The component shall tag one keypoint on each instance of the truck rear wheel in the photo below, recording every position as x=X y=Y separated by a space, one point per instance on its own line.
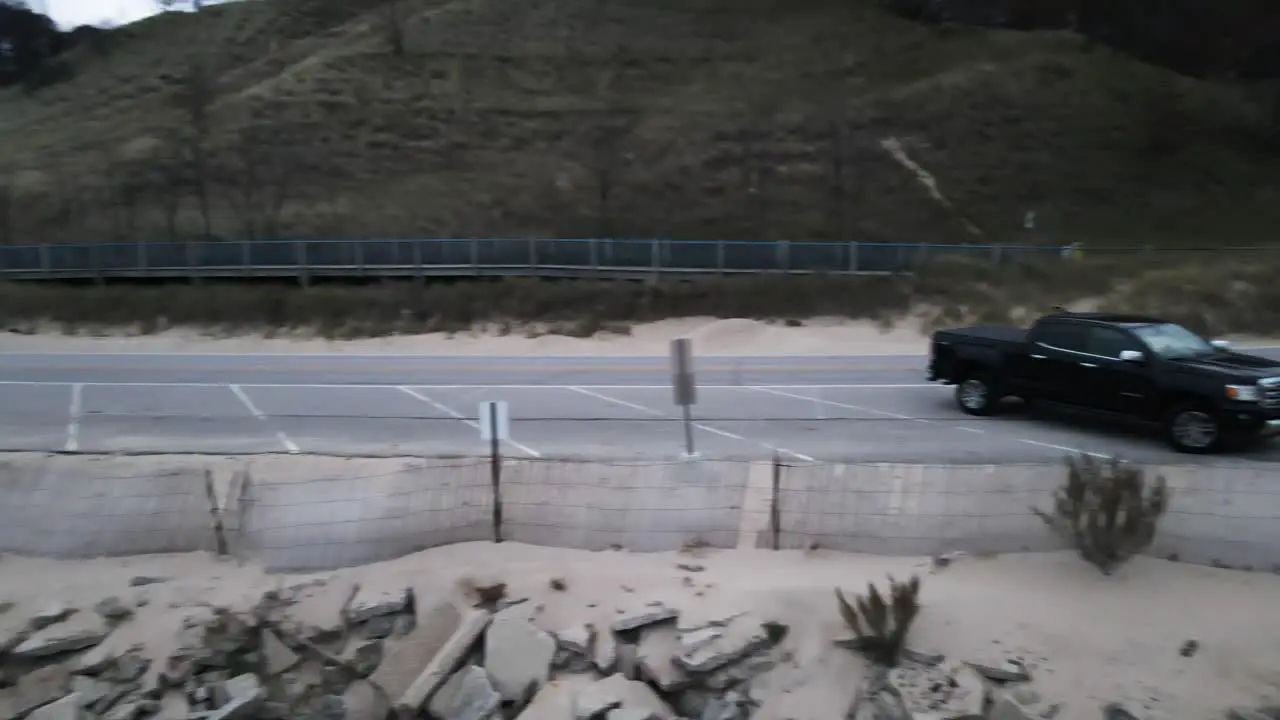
x=977 y=395
x=1194 y=428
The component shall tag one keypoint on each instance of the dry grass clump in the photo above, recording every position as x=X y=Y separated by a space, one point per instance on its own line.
x=880 y=628
x=1106 y=510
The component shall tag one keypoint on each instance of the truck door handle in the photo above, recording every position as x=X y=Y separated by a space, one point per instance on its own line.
x=1092 y=365
x=1037 y=357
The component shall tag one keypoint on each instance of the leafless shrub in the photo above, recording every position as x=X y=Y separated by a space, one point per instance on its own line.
x=1106 y=510
x=880 y=629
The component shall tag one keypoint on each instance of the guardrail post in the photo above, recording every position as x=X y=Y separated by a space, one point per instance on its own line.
x=783 y=255
x=656 y=252
x=190 y=253
x=995 y=255
x=594 y=252
x=95 y=262
x=142 y=258
x=853 y=257
x=417 y=260
x=46 y=262
x=720 y=257
x=533 y=253
x=475 y=256
x=357 y=251
x=245 y=258
x=300 y=257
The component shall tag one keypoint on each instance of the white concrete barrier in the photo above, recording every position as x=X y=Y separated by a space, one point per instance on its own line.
x=307 y=512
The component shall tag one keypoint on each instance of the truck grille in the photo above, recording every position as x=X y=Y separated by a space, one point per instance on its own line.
x=1270 y=392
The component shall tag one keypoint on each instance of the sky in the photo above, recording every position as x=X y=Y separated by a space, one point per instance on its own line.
x=70 y=13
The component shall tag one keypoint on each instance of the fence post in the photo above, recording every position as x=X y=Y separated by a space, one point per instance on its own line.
x=300 y=257
x=475 y=256
x=46 y=264
x=853 y=257
x=142 y=258
x=720 y=257
x=495 y=475
x=656 y=251
x=775 y=510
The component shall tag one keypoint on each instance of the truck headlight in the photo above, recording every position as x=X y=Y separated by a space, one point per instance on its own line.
x=1243 y=393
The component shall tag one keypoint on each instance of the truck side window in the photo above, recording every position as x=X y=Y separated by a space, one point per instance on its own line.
x=1108 y=342
x=1061 y=335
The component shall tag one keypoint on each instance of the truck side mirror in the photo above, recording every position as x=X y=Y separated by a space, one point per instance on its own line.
x=1132 y=356
x=1220 y=344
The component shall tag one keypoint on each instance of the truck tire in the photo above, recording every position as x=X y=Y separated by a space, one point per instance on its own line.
x=1194 y=428
x=977 y=395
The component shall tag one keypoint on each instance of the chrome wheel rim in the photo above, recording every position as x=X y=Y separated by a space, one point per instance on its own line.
x=1195 y=429
x=973 y=394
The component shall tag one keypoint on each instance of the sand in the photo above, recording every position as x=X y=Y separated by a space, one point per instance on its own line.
x=735 y=336
x=1089 y=639
x=711 y=336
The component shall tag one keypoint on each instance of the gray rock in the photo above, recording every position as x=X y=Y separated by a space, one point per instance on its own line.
x=517 y=654
x=723 y=709
x=632 y=714
x=642 y=618
x=1245 y=713
x=276 y=656
x=467 y=695
x=593 y=702
x=90 y=690
x=635 y=696
x=128 y=667
x=68 y=708
x=373 y=602
x=576 y=639
x=604 y=653
x=140 y=580
x=113 y=609
x=364 y=701
x=62 y=638
x=53 y=613
x=654 y=658
x=382 y=626
x=34 y=689
x=245 y=695
x=1006 y=707
x=103 y=657
x=327 y=707
x=742 y=637
x=1009 y=672
x=364 y=657
x=404 y=658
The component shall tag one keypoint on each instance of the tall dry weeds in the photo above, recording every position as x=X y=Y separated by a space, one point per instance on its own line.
x=1106 y=511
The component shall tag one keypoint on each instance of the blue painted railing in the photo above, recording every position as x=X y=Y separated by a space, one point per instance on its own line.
x=481 y=257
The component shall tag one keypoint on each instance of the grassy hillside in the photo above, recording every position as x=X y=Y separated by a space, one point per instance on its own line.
x=680 y=118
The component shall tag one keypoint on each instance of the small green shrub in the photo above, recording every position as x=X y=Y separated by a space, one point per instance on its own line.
x=1106 y=511
x=880 y=629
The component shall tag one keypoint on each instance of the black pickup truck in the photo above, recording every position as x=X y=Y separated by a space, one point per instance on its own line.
x=1204 y=397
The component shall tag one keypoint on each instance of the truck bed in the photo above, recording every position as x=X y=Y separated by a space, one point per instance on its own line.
x=984 y=334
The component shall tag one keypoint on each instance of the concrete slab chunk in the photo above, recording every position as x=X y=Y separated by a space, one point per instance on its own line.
x=443 y=664
x=467 y=695
x=517 y=655
x=403 y=659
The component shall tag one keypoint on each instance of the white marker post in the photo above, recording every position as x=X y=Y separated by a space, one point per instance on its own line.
x=495 y=426
x=684 y=386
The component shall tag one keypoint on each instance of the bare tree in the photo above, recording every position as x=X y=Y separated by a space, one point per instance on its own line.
x=169 y=177
x=6 y=209
x=393 y=21
x=260 y=176
x=194 y=99
x=125 y=187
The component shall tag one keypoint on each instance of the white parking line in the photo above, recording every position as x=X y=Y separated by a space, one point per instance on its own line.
x=384 y=386
x=73 y=418
x=707 y=428
x=463 y=418
x=288 y=443
x=897 y=416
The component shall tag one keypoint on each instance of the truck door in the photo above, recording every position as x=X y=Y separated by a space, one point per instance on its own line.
x=1111 y=383
x=1051 y=364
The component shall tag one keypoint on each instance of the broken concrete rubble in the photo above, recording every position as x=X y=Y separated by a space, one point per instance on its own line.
x=517 y=655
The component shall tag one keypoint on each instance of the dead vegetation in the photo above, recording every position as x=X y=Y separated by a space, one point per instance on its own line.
x=1208 y=295
x=880 y=628
x=638 y=118
x=1107 y=510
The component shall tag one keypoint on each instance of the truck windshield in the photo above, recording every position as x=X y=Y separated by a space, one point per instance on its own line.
x=1173 y=341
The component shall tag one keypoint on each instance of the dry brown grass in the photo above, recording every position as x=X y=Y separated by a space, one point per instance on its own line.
x=1210 y=296
x=485 y=126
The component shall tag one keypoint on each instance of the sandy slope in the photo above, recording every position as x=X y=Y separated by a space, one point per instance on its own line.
x=821 y=336
x=1089 y=639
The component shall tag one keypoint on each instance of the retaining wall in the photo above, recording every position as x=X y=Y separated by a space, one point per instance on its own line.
x=308 y=512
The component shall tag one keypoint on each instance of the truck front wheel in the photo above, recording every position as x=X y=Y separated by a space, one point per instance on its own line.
x=976 y=395
x=1194 y=428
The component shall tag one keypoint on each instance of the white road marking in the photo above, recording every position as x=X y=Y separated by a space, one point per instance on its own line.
x=833 y=403
x=419 y=356
x=713 y=430
x=384 y=386
x=463 y=418
x=1063 y=448
x=288 y=443
x=73 y=418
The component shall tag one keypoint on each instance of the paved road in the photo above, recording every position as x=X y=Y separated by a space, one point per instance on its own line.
x=868 y=409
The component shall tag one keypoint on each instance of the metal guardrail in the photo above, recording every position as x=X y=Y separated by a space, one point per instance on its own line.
x=477 y=257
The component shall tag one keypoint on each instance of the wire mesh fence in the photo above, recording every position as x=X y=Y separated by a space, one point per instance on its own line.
x=344 y=512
